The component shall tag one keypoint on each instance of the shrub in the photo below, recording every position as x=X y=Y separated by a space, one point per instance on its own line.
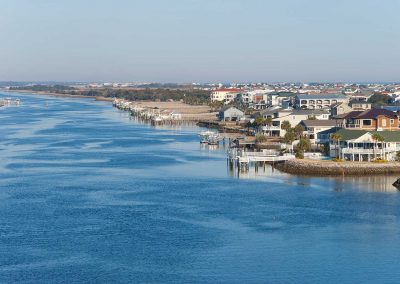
x=300 y=155
x=261 y=138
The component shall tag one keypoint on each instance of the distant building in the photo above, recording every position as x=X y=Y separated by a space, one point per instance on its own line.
x=321 y=101
x=225 y=95
x=293 y=116
x=230 y=113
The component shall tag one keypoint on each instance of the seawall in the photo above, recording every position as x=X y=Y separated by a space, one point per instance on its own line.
x=330 y=168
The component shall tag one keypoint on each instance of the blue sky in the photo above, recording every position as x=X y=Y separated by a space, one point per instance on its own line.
x=200 y=40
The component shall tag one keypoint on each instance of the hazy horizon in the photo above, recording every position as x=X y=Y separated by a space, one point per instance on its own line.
x=200 y=41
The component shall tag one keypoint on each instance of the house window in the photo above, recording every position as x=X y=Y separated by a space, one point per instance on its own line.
x=391 y=121
x=367 y=122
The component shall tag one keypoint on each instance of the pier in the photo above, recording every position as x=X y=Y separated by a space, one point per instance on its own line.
x=243 y=160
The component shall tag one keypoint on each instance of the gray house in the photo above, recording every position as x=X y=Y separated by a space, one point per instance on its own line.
x=230 y=113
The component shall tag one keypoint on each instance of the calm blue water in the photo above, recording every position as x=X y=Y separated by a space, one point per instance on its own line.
x=88 y=195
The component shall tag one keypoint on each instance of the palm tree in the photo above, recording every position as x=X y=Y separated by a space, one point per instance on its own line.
x=260 y=121
x=298 y=131
x=336 y=137
x=377 y=138
x=268 y=122
x=289 y=138
x=286 y=125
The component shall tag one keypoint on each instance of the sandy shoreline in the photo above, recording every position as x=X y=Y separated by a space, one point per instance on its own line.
x=189 y=112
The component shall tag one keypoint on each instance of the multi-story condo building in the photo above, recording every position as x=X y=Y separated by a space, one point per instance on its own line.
x=321 y=101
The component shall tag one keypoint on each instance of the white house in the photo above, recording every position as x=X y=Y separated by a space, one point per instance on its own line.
x=359 y=145
x=313 y=127
x=294 y=116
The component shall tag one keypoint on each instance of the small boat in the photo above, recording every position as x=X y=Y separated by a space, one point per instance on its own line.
x=209 y=137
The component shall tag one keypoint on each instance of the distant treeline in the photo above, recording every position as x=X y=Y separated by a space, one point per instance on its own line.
x=190 y=96
x=62 y=89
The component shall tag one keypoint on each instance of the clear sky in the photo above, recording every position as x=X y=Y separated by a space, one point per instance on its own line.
x=200 y=40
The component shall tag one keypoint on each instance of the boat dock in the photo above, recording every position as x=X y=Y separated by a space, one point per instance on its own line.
x=243 y=160
x=154 y=116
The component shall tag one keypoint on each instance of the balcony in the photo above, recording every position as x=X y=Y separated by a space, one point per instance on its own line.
x=271 y=128
x=352 y=125
x=364 y=151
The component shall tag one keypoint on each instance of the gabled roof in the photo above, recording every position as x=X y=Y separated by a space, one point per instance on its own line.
x=322 y=97
x=319 y=123
x=310 y=112
x=348 y=115
x=228 y=107
x=375 y=112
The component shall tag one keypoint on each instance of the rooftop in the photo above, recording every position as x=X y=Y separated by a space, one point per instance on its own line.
x=322 y=96
x=375 y=112
x=319 y=123
x=389 y=136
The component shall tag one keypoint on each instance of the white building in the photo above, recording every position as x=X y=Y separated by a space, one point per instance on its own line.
x=322 y=101
x=225 y=95
x=359 y=145
x=293 y=116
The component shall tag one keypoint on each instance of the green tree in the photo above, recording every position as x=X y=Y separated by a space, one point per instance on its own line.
x=289 y=137
x=377 y=138
x=298 y=131
x=261 y=138
x=336 y=137
x=260 y=121
x=268 y=122
x=299 y=154
x=304 y=144
x=286 y=125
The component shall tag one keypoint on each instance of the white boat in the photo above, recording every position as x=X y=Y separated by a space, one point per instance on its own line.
x=209 y=137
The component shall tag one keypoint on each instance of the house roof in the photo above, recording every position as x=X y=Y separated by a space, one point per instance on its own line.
x=309 y=111
x=225 y=108
x=232 y=90
x=348 y=115
x=319 y=123
x=322 y=97
x=375 y=112
x=389 y=136
x=391 y=108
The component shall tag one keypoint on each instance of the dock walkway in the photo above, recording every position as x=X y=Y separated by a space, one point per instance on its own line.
x=243 y=159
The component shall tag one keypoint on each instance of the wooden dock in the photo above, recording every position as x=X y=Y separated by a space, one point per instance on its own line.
x=244 y=159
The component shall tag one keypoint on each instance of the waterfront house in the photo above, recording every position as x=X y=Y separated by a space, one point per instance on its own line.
x=359 y=145
x=321 y=101
x=230 y=113
x=314 y=126
x=373 y=119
